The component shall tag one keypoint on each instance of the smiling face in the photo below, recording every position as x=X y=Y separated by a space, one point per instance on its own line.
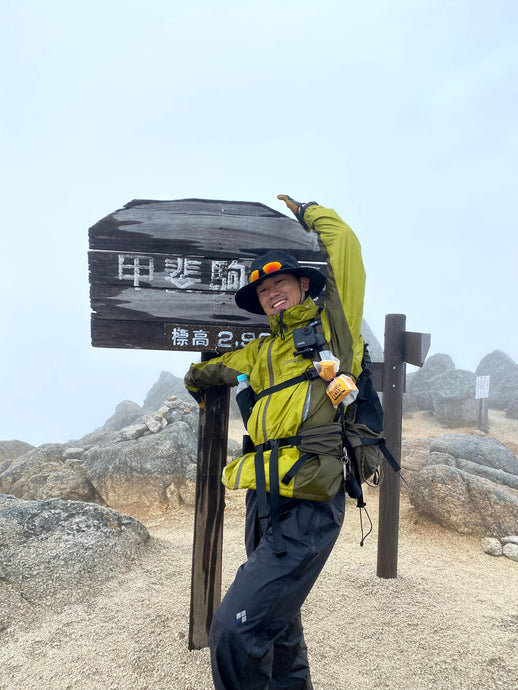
x=281 y=291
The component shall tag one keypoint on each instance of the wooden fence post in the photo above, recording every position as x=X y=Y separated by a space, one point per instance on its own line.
x=393 y=388
x=209 y=512
x=401 y=347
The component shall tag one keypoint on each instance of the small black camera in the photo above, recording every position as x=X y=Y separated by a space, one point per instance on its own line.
x=307 y=340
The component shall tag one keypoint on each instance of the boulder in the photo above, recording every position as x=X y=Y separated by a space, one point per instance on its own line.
x=477 y=449
x=135 y=476
x=511 y=551
x=497 y=476
x=491 y=546
x=453 y=398
x=59 y=549
x=127 y=412
x=132 y=470
x=433 y=366
x=418 y=395
x=503 y=382
x=134 y=431
x=464 y=502
x=13 y=449
x=44 y=473
x=511 y=409
x=414 y=456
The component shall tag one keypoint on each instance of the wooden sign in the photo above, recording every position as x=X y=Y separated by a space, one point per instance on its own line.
x=163 y=274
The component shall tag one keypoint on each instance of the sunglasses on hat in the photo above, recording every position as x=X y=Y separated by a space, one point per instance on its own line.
x=270 y=267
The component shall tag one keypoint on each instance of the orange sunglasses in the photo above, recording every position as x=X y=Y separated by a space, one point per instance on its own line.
x=270 y=267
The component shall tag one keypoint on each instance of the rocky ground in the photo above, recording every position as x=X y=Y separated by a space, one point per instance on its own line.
x=449 y=620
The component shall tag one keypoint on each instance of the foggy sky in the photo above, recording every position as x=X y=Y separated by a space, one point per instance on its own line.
x=401 y=116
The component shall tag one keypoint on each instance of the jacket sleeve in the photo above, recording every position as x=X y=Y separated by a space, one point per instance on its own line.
x=345 y=287
x=222 y=370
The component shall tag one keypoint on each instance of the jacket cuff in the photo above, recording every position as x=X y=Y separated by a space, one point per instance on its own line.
x=301 y=211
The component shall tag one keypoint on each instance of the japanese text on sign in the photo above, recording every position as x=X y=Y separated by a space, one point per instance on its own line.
x=182 y=337
x=183 y=272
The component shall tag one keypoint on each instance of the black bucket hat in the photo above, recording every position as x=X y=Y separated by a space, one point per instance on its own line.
x=272 y=263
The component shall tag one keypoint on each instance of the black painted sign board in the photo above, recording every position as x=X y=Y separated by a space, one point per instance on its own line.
x=163 y=274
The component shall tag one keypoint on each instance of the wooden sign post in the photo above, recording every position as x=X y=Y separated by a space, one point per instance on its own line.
x=401 y=347
x=209 y=513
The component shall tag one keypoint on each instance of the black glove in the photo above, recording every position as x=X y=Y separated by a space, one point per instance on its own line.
x=197 y=395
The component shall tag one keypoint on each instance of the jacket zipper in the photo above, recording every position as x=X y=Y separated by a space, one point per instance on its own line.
x=270 y=372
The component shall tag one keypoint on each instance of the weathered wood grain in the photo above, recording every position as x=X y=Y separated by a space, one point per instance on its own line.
x=202 y=227
x=157 y=335
x=416 y=347
x=208 y=517
x=160 y=305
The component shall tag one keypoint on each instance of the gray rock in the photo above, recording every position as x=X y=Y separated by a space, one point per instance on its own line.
x=127 y=412
x=511 y=409
x=59 y=548
x=491 y=546
x=503 y=382
x=180 y=495
x=72 y=453
x=511 y=551
x=418 y=386
x=97 y=438
x=67 y=483
x=375 y=349
x=497 y=476
x=13 y=449
x=186 y=412
x=513 y=539
x=125 y=469
x=43 y=473
x=464 y=502
x=453 y=398
x=478 y=449
x=167 y=385
x=153 y=423
x=414 y=456
x=134 y=475
x=134 y=431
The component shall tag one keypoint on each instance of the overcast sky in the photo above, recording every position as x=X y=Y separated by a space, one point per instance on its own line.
x=401 y=115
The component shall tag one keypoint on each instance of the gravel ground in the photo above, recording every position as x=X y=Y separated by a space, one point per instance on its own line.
x=449 y=620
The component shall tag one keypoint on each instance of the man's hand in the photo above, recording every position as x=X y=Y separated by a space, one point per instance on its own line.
x=297 y=208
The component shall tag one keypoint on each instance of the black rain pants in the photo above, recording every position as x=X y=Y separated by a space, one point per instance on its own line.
x=256 y=638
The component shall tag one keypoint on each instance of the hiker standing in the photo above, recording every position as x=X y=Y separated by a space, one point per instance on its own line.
x=294 y=474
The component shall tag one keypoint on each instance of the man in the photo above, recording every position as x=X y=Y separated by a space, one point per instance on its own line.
x=294 y=476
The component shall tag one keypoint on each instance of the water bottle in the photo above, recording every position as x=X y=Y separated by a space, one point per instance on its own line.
x=245 y=397
x=242 y=383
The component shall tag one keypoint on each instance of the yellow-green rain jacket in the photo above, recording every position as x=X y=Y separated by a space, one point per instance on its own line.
x=270 y=361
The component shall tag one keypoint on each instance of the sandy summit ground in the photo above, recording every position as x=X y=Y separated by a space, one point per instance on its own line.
x=449 y=620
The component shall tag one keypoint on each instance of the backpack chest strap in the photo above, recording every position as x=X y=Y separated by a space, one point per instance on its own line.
x=308 y=375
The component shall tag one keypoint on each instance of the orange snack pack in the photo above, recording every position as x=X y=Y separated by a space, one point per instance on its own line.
x=342 y=389
x=327 y=369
